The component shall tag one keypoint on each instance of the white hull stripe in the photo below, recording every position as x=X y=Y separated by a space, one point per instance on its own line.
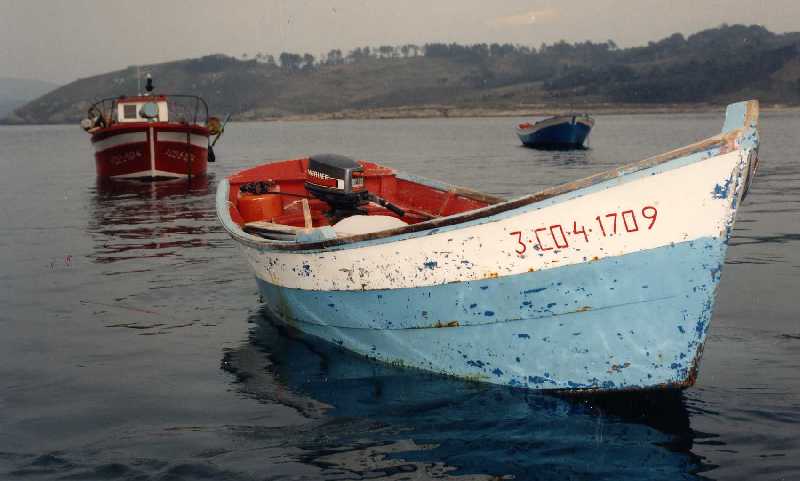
x=135 y=137
x=196 y=140
x=119 y=139
x=682 y=204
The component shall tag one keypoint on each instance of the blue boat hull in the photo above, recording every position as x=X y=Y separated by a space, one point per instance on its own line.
x=565 y=134
x=626 y=322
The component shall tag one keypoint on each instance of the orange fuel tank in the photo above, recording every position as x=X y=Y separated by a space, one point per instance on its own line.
x=255 y=207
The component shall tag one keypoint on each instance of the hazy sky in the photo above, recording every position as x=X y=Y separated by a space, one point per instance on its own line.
x=61 y=40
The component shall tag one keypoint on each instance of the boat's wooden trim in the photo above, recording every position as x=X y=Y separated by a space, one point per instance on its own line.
x=475 y=195
x=307 y=214
x=726 y=142
x=448 y=188
x=273 y=232
x=264 y=226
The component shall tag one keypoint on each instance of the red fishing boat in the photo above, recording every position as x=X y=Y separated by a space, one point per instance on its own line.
x=152 y=136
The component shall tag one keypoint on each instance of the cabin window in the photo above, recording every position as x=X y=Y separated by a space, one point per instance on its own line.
x=149 y=110
x=129 y=111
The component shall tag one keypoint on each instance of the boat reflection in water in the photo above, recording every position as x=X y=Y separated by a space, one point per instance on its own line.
x=424 y=421
x=134 y=219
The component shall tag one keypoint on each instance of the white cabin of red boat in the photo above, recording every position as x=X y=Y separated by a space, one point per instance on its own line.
x=152 y=108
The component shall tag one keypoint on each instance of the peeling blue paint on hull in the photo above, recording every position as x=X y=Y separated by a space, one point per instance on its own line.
x=630 y=322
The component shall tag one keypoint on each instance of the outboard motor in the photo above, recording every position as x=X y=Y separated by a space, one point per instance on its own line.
x=339 y=182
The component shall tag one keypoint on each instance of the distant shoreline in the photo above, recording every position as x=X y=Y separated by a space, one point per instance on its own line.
x=442 y=111
x=435 y=111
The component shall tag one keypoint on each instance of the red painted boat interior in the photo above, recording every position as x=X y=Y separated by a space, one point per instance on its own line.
x=282 y=204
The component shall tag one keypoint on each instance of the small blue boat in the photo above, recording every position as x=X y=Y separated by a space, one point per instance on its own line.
x=563 y=131
x=605 y=283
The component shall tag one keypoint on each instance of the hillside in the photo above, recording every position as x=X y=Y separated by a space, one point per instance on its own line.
x=15 y=92
x=710 y=67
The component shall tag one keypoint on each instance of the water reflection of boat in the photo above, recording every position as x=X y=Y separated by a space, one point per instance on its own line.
x=198 y=186
x=470 y=427
x=135 y=219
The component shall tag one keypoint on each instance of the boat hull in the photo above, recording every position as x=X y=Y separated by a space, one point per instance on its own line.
x=605 y=284
x=567 y=132
x=151 y=150
x=628 y=322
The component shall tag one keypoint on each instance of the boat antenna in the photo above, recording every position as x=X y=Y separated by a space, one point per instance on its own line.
x=138 y=81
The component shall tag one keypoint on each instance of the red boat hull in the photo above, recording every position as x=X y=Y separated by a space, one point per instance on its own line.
x=151 y=150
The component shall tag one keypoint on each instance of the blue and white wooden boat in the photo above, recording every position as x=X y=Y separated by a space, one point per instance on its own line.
x=605 y=283
x=563 y=131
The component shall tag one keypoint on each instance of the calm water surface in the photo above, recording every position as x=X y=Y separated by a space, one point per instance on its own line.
x=133 y=345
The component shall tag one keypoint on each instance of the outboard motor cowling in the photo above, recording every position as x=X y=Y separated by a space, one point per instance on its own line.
x=339 y=182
